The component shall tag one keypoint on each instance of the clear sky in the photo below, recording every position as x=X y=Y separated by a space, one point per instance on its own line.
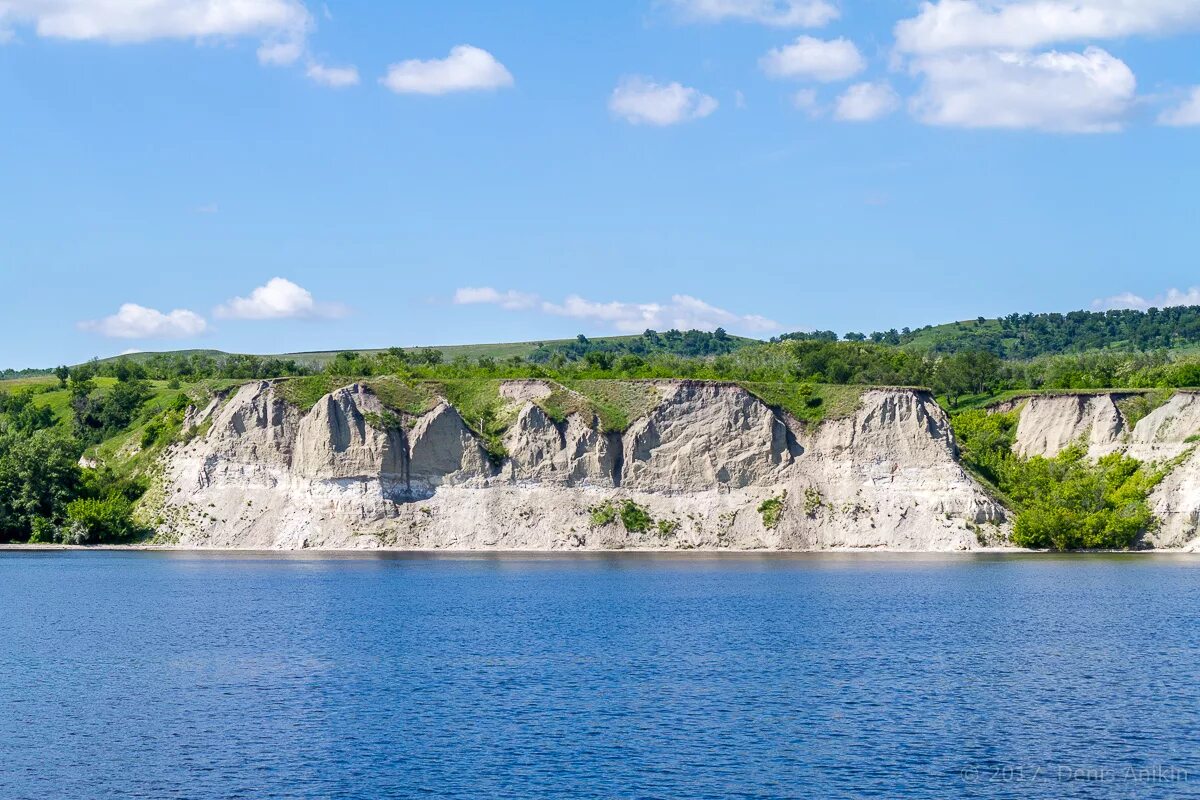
x=271 y=175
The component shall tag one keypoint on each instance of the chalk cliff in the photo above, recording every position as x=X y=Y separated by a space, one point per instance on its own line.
x=700 y=465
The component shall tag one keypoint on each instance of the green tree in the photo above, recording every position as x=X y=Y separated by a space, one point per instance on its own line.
x=39 y=476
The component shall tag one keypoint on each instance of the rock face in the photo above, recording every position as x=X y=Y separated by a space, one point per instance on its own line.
x=1049 y=424
x=710 y=465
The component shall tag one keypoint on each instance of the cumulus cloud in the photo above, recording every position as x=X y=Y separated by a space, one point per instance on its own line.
x=640 y=101
x=682 y=312
x=1129 y=300
x=1086 y=92
x=281 y=25
x=814 y=59
x=864 y=102
x=279 y=298
x=333 y=77
x=778 y=13
x=138 y=322
x=510 y=300
x=949 y=25
x=467 y=68
x=1185 y=114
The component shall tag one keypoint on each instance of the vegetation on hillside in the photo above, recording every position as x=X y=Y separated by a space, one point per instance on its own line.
x=45 y=495
x=1063 y=503
x=1028 y=336
x=127 y=410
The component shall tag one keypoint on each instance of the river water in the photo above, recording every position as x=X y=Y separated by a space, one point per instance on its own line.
x=167 y=675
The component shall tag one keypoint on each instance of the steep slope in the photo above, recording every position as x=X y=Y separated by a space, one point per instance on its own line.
x=710 y=466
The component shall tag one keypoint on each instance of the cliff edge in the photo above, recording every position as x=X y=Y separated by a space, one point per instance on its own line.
x=710 y=466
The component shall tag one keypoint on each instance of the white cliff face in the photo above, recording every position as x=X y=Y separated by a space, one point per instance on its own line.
x=701 y=464
x=572 y=453
x=1162 y=438
x=335 y=440
x=706 y=436
x=891 y=472
x=443 y=451
x=1049 y=424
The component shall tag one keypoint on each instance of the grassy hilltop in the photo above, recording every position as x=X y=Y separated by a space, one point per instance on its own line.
x=500 y=351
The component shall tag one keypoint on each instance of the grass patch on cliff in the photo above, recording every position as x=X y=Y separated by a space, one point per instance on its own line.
x=407 y=397
x=562 y=403
x=1063 y=503
x=1136 y=407
x=305 y=392
x=617 y=404
x=809 y=402
x=484 y=410
x=396 y=394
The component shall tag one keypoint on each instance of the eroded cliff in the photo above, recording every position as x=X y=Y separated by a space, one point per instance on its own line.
x=709 y=466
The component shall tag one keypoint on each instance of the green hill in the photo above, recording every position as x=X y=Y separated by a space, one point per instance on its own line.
x=318 y=359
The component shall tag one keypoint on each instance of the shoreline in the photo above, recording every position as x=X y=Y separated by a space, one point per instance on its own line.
x=581 y=552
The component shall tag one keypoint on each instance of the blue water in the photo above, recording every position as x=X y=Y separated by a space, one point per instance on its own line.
x=202 y=676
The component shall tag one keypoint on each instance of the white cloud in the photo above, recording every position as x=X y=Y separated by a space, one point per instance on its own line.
x=640 y=101
x=779 y=13
x=279 y=299
x=333 y=77
x=129 y=21
x=1084 y=92
x=282 y=26
x=467 y=68
x=682 y=312
x=281 y=53
x=814 y=59
x=1027 y=24
x=1173 y=297
x=864 y=102
x=1185 y=114
x=806 y=100
x=138 y=322
x=510 y=300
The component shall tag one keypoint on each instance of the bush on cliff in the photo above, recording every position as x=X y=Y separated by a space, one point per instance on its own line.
x=1063 y=503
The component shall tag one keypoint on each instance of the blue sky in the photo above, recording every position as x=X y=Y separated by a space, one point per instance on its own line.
x=286 y=176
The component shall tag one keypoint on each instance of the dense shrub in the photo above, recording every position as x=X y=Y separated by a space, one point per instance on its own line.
x=1069 y=503
x=92 y=521
x=1061 y=503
